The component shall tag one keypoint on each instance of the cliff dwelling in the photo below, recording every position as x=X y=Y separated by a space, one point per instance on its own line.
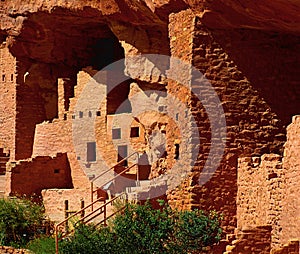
x=78 y=115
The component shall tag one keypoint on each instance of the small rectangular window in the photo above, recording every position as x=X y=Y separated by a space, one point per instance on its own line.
x=122 y=154
x=3 y=77
x=90 y=113
x=98 y=113
x=80 y=114
x=176 y=157
x=12 y=77
x=91 y=151
x=134 y=132
x=56 y=171
x=116 y=133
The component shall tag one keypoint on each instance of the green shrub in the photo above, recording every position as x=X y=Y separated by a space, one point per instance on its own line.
x=89 y=240
x=19 y=220
x=142 y=229
x=42 y=245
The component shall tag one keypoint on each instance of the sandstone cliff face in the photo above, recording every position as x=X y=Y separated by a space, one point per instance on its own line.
x=277 y=15
x=248 y=51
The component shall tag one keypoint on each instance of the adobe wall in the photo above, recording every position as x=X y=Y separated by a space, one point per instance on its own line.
x=8 y=74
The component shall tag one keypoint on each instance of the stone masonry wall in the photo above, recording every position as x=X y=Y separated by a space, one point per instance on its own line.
x=36 y=101
x=261 y=188
x=291 y=213
x=251 y=240
x=30 y=177
x=11 y=250
x=8 y=100
x=56 y=136
x=252 y=127
x=292 y=247
x=181 y=28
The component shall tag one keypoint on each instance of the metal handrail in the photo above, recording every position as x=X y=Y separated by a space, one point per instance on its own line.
x=108 y=217
x=122 y=172
x=119 y=162
x=92 y=181
x=57 y=237
x=104 y=211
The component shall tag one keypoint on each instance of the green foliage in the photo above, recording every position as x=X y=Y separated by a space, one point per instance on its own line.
x=89 y=240
x=194 y=229
x=43 y=245
x=19 y=220
x=142 y=229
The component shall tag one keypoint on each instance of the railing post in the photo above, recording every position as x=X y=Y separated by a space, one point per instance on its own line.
x=56 y=240
x=67 y=214
x=105 y=215
x=137 y=168
x=81 y=207
x=92 y=194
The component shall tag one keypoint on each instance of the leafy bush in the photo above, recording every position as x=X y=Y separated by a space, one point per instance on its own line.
x=19 y=220
x=142 y=229
x=42 y=245
x=89 y=240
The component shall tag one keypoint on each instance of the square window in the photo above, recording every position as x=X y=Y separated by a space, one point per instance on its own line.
x=56 y=171
x=98 y=113
x=116 y=133
x=161 y=108
x=134 y=132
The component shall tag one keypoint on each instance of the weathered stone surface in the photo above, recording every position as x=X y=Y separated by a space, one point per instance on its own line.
x=248 y=52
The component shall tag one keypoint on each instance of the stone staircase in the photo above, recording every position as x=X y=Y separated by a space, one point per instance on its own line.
x=146 y=189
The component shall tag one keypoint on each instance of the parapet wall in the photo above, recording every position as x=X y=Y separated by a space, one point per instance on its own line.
x=268 y=192
x=291 y=202
x=31 y=176
x=260 y=192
